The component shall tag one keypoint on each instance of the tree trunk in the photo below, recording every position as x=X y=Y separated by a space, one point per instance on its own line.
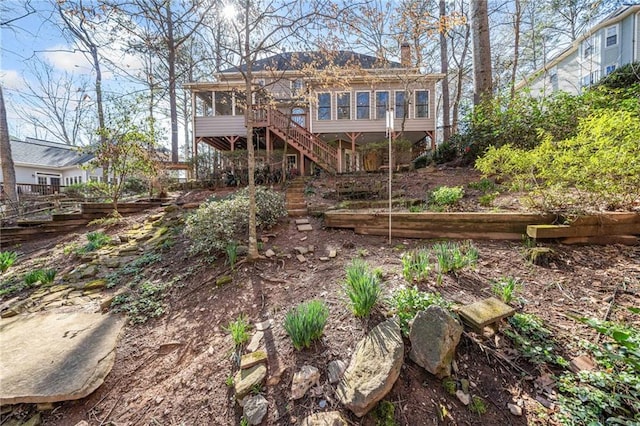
x=173 y=107
x=6 y=160
x=459 y=80
x=251 y=160
x=517 y=17
x=100 y=107
x=444 y=69
x=483 y=85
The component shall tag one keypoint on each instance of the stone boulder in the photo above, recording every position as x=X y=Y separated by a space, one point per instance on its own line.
x=56 y=357
x=434 y=336
x=255 y=408
x=247 y=378
x=374 y=368
x=303 y=380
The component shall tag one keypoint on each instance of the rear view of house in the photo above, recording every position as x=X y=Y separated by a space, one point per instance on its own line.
x=317 y=110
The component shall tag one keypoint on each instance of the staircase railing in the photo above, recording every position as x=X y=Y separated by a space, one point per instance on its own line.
x=309 y=144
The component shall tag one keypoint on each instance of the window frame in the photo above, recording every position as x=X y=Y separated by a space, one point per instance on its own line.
x=349 y=107
x=398 y=108
x=416 y=105
x=606 y=68
x=320 y=107
x=384 y=111
x=607 y=36
x=362 y=108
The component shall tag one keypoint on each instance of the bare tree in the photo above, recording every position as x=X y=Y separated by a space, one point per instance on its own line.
x=82 y=23
x=166 y=28
x=460 y=37
x=55 y=103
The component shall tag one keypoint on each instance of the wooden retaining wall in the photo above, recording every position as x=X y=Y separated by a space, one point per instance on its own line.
x=480 y=225
x=27 y=230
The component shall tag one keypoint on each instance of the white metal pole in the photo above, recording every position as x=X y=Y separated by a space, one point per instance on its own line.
x=390 y=133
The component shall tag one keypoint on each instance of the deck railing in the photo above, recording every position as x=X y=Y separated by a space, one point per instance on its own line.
x=309 y=144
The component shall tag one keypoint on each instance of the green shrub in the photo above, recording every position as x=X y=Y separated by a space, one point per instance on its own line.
x=407 y=302
x=134 y=185
x=445 y=197
x=305 y=323
x=416 y=265
x=96 y=240
x=445 y=152
x=595 y=170
x=219 y=222
x=484 y=185
x=7 y=259
x=623 y=77
x=239 y=330
x=423 y=160
x=362 y=287
x=486 y=200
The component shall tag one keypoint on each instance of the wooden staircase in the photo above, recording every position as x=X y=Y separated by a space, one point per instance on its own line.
x=296 y=206
x=306 y=142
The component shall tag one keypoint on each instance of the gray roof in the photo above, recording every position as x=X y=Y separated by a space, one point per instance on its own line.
x=45 y=153
x=321 y=60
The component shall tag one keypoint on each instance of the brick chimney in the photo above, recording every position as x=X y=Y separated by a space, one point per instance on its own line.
x=405 y=55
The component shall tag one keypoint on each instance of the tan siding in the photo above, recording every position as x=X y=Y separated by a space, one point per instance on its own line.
x=220 y=126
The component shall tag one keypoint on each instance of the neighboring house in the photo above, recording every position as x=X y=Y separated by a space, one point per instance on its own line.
x=610 y=44
x=323 y=107
x=43 y=166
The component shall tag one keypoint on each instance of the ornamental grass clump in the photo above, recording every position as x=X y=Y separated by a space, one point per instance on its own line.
x=305 y=323
x=416 y=265
x=218 y=223
x=7 y=258
x=362 y=287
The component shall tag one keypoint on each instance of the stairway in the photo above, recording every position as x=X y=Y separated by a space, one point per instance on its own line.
x=296 y=206
x=303 y=140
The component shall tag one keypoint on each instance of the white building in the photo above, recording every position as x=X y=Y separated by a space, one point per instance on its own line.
x=43 y=166
x=610 y=44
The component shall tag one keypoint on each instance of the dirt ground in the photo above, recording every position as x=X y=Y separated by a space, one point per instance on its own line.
x=172 y=370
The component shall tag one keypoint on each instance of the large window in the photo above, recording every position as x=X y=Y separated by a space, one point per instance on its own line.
x=324 y=106
x=363 y=105
x=611 y=36
x=382 y=104
x=223 y=103
x=400 y=104
x=343 y=105
x=422 y=103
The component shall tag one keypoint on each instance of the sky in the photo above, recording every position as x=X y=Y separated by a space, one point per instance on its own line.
x=37 y=36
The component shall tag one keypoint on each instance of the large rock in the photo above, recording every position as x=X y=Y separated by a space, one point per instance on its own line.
x=255 y=408
x=329 y=418
x=374 y=368
x=303 y=380
x=55 y=357
x=245 y=379
x=434 y=336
